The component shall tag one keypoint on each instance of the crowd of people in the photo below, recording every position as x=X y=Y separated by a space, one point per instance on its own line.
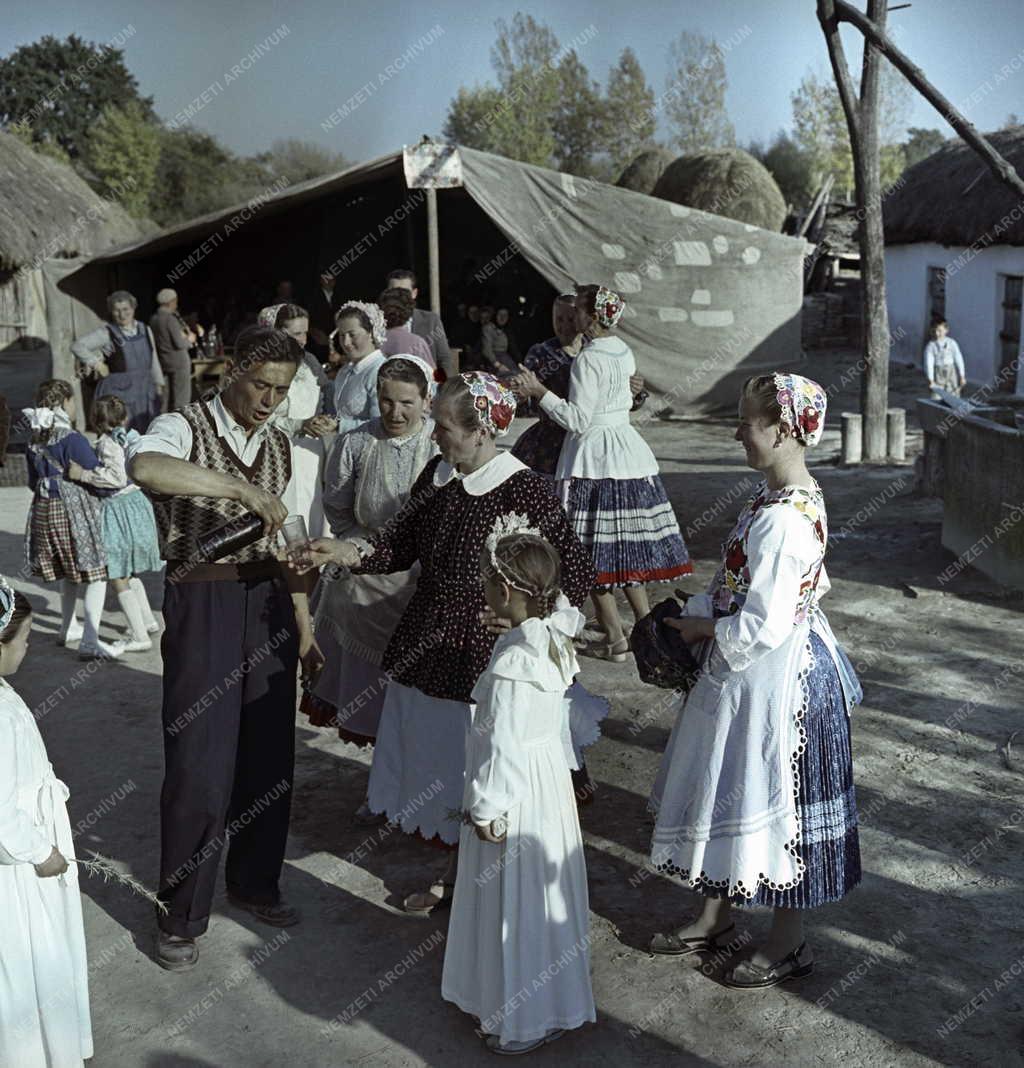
x=435 y=614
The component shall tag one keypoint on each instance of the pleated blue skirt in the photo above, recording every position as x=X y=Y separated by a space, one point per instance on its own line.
x=829 y=844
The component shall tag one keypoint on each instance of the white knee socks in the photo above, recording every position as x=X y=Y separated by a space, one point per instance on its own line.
x=95 y=595
x=69 y=629
x=147 y=613
x=133 y=613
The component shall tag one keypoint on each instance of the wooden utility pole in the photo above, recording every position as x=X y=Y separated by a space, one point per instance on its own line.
x=862 y=123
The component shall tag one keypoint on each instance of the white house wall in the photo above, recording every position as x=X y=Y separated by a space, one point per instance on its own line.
x=974 y=296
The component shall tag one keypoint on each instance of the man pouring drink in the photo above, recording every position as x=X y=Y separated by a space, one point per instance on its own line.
x=235 y=629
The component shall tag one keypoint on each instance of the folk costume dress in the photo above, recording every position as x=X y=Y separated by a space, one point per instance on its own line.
x=440 y=648
x=369 y=479
x=754 y=796
x=520 y=909
x=135 y=373
x=612 y=490
x=44 y=975
x=64 y=533
x=129 y=527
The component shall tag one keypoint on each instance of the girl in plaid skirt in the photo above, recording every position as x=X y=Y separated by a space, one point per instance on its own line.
x=64 y=535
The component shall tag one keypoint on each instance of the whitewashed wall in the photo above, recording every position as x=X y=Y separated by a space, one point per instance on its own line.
x=974 y=297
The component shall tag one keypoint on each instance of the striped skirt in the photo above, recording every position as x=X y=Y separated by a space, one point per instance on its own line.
x=630 y=529
x=829 y=844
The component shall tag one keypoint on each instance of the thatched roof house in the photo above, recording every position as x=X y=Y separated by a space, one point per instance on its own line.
x=952 y=198
x=50 y=223
x=954 y=239
x=47 y=211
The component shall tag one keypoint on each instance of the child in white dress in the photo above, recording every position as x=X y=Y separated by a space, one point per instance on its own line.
x=44 y=988
x=518 y=954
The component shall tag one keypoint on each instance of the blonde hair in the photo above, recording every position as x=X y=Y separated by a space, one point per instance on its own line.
x=761 y=392
x=530 y=564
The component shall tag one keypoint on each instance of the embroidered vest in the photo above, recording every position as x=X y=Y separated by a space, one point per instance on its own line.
x=730 y=585
x=181 y=520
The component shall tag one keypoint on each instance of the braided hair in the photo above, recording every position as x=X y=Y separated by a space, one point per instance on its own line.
x=528 y=563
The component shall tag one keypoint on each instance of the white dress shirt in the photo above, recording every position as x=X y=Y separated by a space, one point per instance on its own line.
x=171 y=435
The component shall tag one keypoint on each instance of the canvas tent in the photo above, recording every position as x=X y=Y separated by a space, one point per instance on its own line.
x=709 y=299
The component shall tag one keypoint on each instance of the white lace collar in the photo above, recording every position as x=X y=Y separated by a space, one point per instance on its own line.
x=483 y=479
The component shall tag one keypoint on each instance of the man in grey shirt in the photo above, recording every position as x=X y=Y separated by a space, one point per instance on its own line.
x=426 y=324
x=173 y=340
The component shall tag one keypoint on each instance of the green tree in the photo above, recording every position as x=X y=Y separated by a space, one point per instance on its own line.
x=122 y=152
x=299 y=161
x=59 y=89
x=921 y=143
x=695 y=95
x=467 y=122
x=629 y=112
x=578 y=123
x=790 y=166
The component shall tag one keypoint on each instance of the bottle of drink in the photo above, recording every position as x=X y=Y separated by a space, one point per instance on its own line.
x=229 y=538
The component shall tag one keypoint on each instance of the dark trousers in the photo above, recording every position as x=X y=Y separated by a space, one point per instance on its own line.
x=178 y=373
x=230 y=652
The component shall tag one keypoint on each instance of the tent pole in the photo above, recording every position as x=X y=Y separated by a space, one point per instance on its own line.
x=435 y=276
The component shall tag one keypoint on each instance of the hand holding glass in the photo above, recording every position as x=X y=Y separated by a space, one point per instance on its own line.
x=296 y=542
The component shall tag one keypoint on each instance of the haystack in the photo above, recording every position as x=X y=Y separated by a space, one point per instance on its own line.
x=643 y=173
x=952 y=198
x=725 y=181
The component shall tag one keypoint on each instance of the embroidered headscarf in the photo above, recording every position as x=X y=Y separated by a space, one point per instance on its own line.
x=803 y=406
x=608 y=307
x=495 y=404
x=6 y=603
x=433 y=376
x=378 y=331
x=268 y=316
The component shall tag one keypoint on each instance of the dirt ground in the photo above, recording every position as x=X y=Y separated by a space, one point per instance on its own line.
x=922 y=964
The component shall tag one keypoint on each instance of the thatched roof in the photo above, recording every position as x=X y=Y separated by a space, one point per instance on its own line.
x=725 y=181
x=952 y=198
x=643 y=173
x=47 y=211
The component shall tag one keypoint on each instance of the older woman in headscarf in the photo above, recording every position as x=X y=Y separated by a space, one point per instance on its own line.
x=122 y=354
x=370 y=474
x=358 y=335
x=442 y=643
x=301 y=416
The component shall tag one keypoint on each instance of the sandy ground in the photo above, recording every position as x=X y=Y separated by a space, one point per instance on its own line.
x=922 y=964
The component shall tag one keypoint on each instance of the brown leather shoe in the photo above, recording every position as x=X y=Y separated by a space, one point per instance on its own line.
x=278 y=915
x=176 y=954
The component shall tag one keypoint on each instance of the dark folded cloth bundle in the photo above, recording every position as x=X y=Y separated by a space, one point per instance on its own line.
x=662 y=657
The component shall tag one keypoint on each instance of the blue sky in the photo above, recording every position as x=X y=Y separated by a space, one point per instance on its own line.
x=312 y=58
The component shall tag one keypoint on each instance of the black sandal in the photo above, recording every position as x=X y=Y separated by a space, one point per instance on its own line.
x=749 y=976
x=441 y=900
x=671 y=945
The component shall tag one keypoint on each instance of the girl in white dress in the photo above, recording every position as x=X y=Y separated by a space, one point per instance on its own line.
x=755 y=795
x=518 y=953
x=44 y=988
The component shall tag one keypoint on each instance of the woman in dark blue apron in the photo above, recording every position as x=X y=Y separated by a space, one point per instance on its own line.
x=123 y=354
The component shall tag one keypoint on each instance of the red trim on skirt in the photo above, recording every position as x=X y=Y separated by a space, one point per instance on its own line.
x=323 y=714
x=633 y=578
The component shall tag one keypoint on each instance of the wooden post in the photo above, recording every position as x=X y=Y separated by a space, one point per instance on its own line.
x=896 y=433
x=432 y=246
x=852 y=439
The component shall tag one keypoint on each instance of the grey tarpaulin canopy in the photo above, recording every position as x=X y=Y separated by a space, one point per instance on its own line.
x=709 y=299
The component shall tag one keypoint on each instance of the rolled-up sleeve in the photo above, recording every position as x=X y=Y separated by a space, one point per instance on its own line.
x=168 y=434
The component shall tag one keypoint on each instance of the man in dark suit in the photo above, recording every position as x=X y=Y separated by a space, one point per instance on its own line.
x=322 y=307
x=426 y=324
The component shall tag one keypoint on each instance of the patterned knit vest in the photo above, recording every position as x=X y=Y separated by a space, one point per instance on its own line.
x=181 y=520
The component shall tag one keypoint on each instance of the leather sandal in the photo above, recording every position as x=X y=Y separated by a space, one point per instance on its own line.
x=671 y=945
x=615 y=652
x=749 y=976
x=439 y=896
